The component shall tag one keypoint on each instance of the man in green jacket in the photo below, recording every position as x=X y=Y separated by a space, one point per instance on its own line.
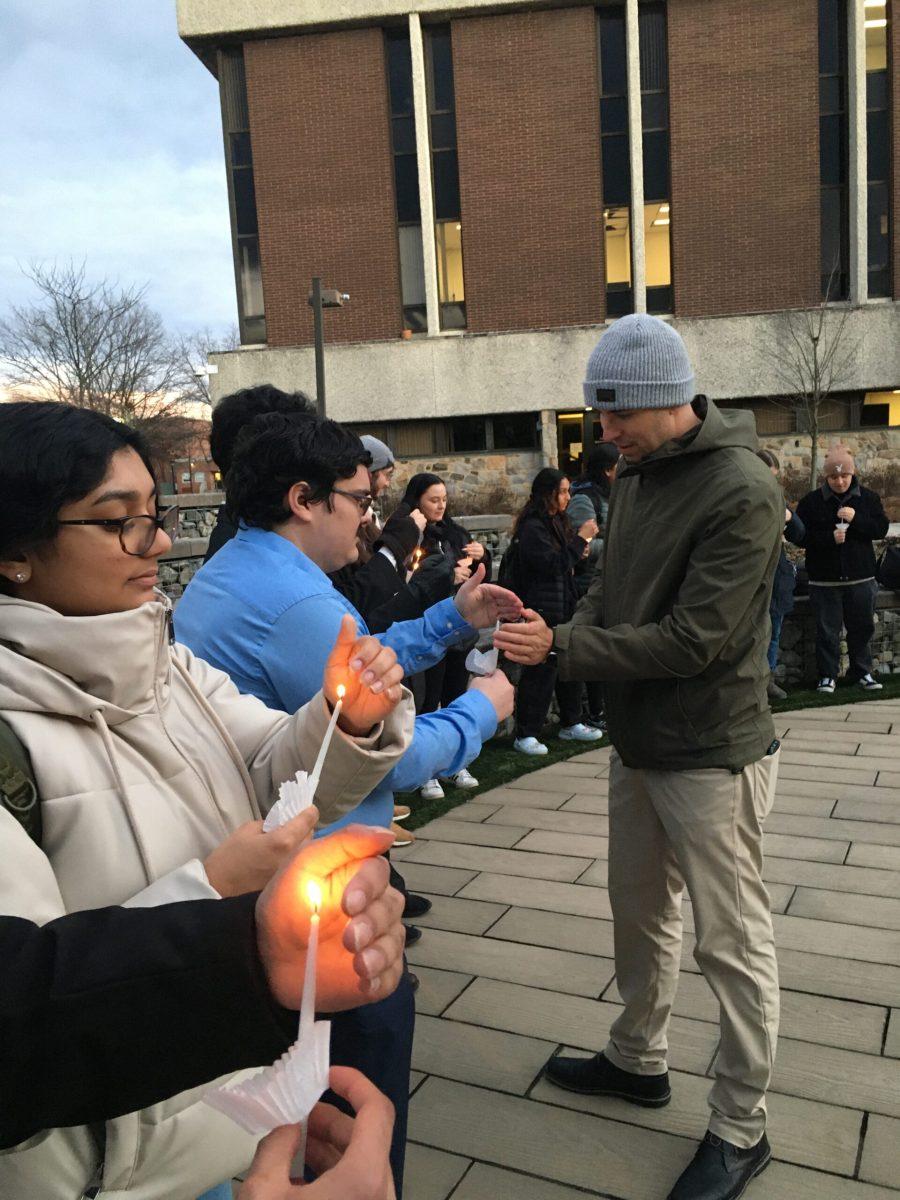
x=679 y=638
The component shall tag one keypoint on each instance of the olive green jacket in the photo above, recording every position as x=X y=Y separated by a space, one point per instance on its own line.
x=677 y=624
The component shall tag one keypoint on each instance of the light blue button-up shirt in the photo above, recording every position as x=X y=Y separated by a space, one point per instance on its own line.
x=263 y=612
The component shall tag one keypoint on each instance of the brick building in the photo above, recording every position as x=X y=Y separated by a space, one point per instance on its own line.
x=493 y=180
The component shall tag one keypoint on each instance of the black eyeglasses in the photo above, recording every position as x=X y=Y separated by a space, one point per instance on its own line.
x=136 y=534
x=363 y=500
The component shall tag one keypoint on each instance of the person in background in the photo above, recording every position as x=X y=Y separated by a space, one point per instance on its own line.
x=783 y=584
x=841 y=519
x=547 y=550
x=229 y=417
x=590 y=498
x=447 y=542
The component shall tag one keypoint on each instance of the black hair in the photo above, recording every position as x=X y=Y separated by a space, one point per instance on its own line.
x=600 y=460
x=544 y=487
x=417 y=487
x=52 y=454
x=770 y=459
x=277 y=450
x=233 y=412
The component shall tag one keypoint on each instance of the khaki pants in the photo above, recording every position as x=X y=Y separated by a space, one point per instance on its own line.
x=704 y=829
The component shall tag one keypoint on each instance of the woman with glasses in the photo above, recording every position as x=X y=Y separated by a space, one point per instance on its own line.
x=153 y=771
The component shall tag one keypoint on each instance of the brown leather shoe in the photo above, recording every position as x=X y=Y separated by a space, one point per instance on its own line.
x=401 y=812
x=402 y=837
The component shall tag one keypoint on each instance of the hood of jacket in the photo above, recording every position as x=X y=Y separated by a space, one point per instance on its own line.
x=720 y=429
x=117 y=663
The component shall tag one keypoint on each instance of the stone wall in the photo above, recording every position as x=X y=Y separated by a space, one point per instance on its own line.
x=197 y=517
x=480 y=482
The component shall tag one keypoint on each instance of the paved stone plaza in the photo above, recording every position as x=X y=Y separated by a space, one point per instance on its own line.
x=517 y=962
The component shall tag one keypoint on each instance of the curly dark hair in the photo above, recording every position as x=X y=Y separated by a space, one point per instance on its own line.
x=233 y=412
x=52 y=454
x=277 y=450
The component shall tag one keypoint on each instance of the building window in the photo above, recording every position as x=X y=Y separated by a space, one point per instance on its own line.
x=406 y=180
x=242 y=195
x=445 y=178
x=516 y=431
x=468 y=434
x=654 y=58
x=833 y=149
x=616 y=165
x=503 y=432
x=878 y=138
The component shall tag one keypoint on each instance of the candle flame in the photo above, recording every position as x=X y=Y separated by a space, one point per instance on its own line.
x=341 y=691
x=314 y=895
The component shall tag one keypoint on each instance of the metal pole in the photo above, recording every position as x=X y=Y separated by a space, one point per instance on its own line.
x=319 y=336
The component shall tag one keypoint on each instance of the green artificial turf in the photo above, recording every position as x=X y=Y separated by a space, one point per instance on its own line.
x=498 y=763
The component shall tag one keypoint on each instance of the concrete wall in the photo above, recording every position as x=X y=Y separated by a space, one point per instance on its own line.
x=542 y=369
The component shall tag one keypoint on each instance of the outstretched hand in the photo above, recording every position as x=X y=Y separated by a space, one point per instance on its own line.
x=370 y=675
x=528 y=642
x=483 y=604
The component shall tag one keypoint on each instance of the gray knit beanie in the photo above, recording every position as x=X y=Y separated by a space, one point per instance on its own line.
x=640 y=362
x=382 y=455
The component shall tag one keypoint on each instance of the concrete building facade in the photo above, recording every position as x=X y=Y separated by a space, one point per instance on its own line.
x=493 y=183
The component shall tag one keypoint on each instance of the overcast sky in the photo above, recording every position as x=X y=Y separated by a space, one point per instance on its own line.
x=112 y=153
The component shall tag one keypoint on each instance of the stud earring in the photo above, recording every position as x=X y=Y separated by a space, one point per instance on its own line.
x=21 y=577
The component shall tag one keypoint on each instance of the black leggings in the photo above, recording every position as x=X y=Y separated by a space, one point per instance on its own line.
x=444 y=681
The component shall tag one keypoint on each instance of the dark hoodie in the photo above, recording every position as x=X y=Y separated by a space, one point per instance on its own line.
x=680 y=638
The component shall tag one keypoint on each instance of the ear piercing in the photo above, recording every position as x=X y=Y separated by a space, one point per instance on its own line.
x=21 y=577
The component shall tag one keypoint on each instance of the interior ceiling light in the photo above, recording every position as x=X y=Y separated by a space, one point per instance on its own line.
x=664 y=208
x=875 y=3
x=662 y=221
x=880 y=23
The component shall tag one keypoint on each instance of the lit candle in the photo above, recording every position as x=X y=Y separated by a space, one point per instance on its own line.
x=308 y=1000
x=417 y=558
x=326 y=741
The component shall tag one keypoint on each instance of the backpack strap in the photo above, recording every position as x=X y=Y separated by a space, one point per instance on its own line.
x=18 y=787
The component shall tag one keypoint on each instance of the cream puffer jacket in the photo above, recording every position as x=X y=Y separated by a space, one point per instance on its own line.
x=146 y=758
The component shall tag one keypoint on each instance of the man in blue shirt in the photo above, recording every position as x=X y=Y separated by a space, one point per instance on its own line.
x=264 y=611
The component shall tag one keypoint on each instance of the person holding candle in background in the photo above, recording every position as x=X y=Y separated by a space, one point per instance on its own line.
x=152 y=769
x=299 y=488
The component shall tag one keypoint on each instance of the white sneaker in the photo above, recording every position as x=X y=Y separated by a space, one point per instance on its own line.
x=580 y=733
x=826 y=685
x=462 y=779
x=869 y=683
x=431 y=790
x=529 y=745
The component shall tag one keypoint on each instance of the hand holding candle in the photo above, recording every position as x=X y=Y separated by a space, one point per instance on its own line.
x=370 y=676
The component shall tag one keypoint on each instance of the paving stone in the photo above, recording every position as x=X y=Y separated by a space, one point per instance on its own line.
x=877 y=911
x=431 y=1174
x=537 y=781
x=802 y=806
x=557 y=821
x=435 y=881
x=470 y=832
x=810 y=772
x=881 y=1152
x=892 y=1041
x=596 y=805
x=865 y=854
x=843 y=978
x=781 y=845
x=472 y=810
x=491 y=1058
x=801 y=1131
x=581 y=844
x=463 y=916
x=494 y=1183
x=569 y=1147
x=877 y=746
x=837 y=939
x=836 y=743
x=415 y=1078
x=826 y=1073
x=506 y=862
x=867 y=810
x=854 y=880
x=572 y=768
x=828 y=758
x=601 y=755
x=844 y=831
x=889 y=779
x=597 y=874
x=583 y=935
x=557 y=970
x=437 y=989
x=533 y=799
x=836 y=791
x=573 y=1020
x=541 y=894
x=822 y=1019
x=783 y=1181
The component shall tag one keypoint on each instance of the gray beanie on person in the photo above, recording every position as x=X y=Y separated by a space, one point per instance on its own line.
x=382 y=455
x=640 y=362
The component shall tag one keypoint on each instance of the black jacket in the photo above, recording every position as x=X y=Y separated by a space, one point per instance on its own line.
x=109 y=1011
x=223 y=531
x=826 y=561
x=785 y=572
x=548 y=551
x=379 y=594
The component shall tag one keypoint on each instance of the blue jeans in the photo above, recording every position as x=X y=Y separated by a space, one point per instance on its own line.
x=222 y=1191
x=777 y=620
